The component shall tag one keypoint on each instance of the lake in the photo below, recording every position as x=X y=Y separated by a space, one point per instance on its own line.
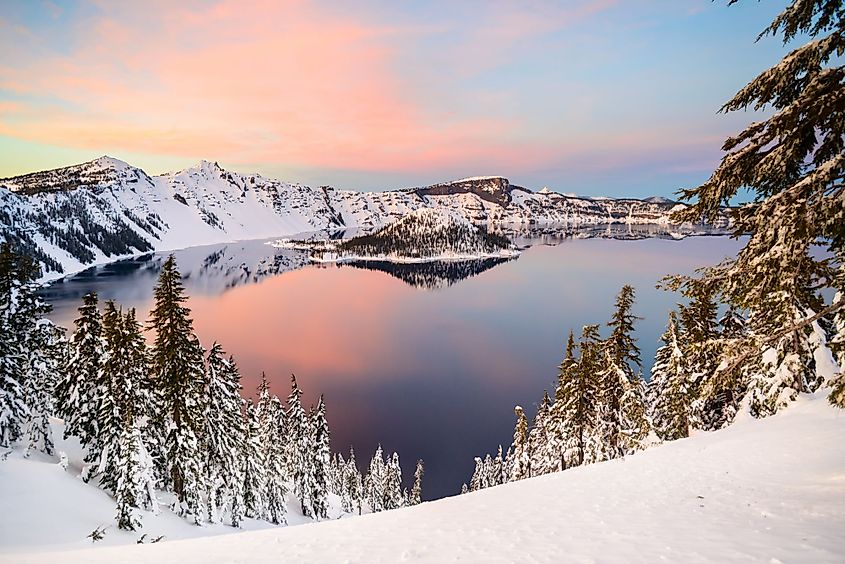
x=427 y=361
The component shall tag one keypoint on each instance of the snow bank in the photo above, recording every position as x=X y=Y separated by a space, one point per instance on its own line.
x=769 y=490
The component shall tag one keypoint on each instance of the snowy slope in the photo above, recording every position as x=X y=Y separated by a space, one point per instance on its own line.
x=99 y=211
x=770 y=490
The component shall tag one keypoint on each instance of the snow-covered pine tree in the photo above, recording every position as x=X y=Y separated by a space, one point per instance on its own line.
x=354 y=485
x=668 y=389
x=622 y=418
x=178 y=371
x=77 y=392
x=300 y=454
x=224 y=437
x=254 y=465
x=321 y=461
x=520 y=454
x=102 y=452
x=498 y=476
x=277 y=467
x=392 y=488
x=576 y=406
x=374 y=481
x=556 y=439
x=16 y=271
x=540 y=439
x=45 y=351
x=477 y=482
x=416 y=491
x=793 y=163
x=31 y=350
x=337 y=478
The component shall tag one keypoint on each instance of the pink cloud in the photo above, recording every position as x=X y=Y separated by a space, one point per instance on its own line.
x=279 y=82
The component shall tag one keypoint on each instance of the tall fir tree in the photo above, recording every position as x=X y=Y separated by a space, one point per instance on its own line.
x=792 y=164
x=416 y=490
x=354 y=483
x=668 y=389
x=543 y=460
x=392 y=497
x=374 y=481
x=177 y=366
x=224 y=437
x=101 y=455
x=578 y=400
x=77 y=392
x=300 y=450
x=31 y=350
x=520 y=453
x=321 y=461
x=254 y=466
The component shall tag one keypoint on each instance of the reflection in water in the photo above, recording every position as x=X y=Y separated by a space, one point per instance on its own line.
x=432 y=375
x=430 y=275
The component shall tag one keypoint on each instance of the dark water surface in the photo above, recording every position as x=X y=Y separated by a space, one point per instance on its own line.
x=428 y=362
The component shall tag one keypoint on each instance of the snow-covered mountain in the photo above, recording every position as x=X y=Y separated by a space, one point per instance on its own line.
x=95 y=212
x=761 y=490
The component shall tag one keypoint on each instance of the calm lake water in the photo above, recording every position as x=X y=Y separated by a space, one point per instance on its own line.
x=426 y=362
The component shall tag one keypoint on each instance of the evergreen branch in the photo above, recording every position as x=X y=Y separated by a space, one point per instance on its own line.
x=756 y=343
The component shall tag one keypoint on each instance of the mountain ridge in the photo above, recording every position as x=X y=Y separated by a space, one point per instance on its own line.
x=72 y=217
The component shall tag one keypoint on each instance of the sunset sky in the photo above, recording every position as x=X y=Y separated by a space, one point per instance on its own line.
x=614 y=97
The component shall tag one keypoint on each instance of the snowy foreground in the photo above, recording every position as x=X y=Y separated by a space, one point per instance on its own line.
x=769 y=490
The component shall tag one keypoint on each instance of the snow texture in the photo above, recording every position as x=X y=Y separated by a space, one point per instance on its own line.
x=768 y=490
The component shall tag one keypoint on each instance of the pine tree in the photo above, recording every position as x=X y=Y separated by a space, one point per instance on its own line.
x=224 y=436
x=300 y=450
x=374 y=482
x=101 y=456
x=566 y=372
x=254 y=464
x=498 y=475
x=622 y=421
x=321 y=461
x=77 y=393
x=15 y=273
x=131 y=471
x=520 y=455
x=542 y=460
x=837 y=343
x=793 y=163
x=354 y=483
x=477 y=481
x=177 y=367
x=576 y=407
x=392 y=497
x=31 y=349
x=416 y=490
x=668 y=390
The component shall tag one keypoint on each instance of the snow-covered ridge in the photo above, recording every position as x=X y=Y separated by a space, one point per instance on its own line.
x=95 y=212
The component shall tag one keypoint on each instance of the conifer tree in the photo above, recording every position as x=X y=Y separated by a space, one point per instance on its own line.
x=101 y=456
x=837 y=344
x=576 y=407
x=668 y=390
x=793 y=164
x=477 y=482
x=31 y=349
x=77 y=392
x=520 y=456
x=300 y=450
x=177 y=367
x=374 y=482
x=354 y=483
x=416 y=490
x=392 y=497
x=224 y=436
x=321 y=460
x=254 y=465
x=539 y=438
x=498 y=475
